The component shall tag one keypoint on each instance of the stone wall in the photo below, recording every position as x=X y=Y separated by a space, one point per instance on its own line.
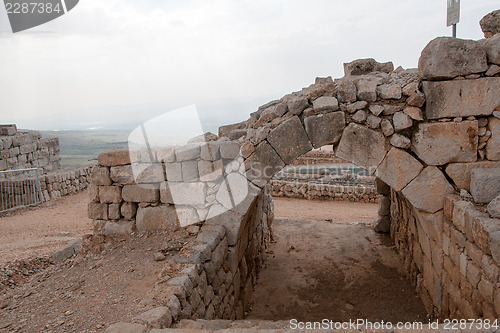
x=60 y=183
x=22 y=150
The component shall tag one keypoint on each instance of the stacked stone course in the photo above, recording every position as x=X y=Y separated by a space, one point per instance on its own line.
x=60 y=183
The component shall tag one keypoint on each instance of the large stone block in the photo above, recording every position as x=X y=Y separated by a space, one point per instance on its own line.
x=100 y=176
x=461 y=98
x=187 y=152
x=460 y=172
x=97 y=211
x=8 y=130
x=122 y=174
x=192 y=194
x=326 y=103
x=446 y=58
x=114 y=157
x=290 y=140
x=110 y=194
x=361 y=146
x=141 y=193
x=485 y=184
x=229 y=150
x=493 y=145
x=490 y=24
x=173 y=171
x=161 y=218
x=325 y=129
x=210 y=171
x=428 y=190
x=263 y=164
x=346 y=90
x=441 y=143
x=398 y=169
x=492 y=46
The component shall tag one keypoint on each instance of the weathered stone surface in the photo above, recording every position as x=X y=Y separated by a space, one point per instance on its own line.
x=122 y=174
x=460 y=172
x=490 y=24
x=145 y=173
x=441 y=143
x=367 y=90
x=187 y=152
x=381 y=187
x=427 y=191
x=492 y=46
x=141 y=193
x=159 y=317
x=126 y=328
x=325 y=129
x=400 y=141
x=360 y=116
x=361 y=146
x=118 y=228
x=483 y=228
x=382 y=224
x=359 y=105
x=461 y=98
x=493 y=70
x=192 y=194
x=290 y=140
x=494 y=207
x=417 y=100
x=8 y=130
x=447 y=58
x=166 y=154
x=210 y=171
x=297 y=105
x=128 y=210
x=376 y=109
x=110 y=194
x=366 y=66
x=229 y=150
x=173 y=172
x=485 y=184
x=373 y=121
x=210 y=151
x=114 y=157
x=263 y=164
x=190 y=171
x=346 y=90
x=225 y=130
x=401 y=121
x=414 y=113
x=398 y=169
x=97 y=211
x=100 y=176
x=114 y=211
x=161 y=218
x=387 y=127
x=493 y=145
x=204 y=138
x=326 y=103
x=389 y=91
x=67 y=251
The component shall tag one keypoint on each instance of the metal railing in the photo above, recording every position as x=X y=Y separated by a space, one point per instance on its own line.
x=19 y=188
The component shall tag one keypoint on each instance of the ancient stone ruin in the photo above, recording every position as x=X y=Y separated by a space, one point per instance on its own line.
x=431 y=137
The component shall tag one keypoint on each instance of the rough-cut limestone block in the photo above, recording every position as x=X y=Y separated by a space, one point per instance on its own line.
x=485 y=184
x=126 y=328
x=494 y=207
x=158 y=317
x=389 y=91
x=401 y=121
x=173 y=172
x=225 y=130
x=97 y=211
x=398 y=169
x=490 y=23
x=461 y=98
x=192 y=194
x=187 y=152
x=483 y=228
x=346 y=90
x=160 y=218
x=190 y=171
x=460 y=172
x=493 y=145
x=8 y=130
x=495 y=246
x=122 y=174
x=428 y=190
x=366 y=66
x=441 y=143
x=118 y=228
x=297 y=105
x=367 y=90
x=110 y=194
x=325 y=129
x=128 y=210
x=492 y=46
x=325 y=103
x=114 y=157
x=263 y=164
x=229 y=150
x=141 y=193
x=210 y=151
x=361 y=146
x=100 y=176
x=447 y=58
x=210 y=171
x=290 y=140
x=166 y=154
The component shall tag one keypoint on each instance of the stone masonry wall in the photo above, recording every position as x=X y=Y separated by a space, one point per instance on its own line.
x=22 y=150
x=60 y=183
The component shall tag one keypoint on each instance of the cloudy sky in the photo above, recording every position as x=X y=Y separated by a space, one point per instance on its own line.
x=118 y=63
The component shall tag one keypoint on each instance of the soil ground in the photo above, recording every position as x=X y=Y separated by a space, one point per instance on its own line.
x=39 y=231
x=329 y=264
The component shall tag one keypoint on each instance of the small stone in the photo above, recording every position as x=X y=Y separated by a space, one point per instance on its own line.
x=373 y=121
x=376 y=109
x=351 y=108
x=387 y=128
x=493 y=70
x=326 y=103
x=414 y=113
x=193 y=229
x=359 y=116
x=496 y=114
x=417 y=99
x=247 y=149
x=389 y=91
x=494 y=207
x=400 y=141
x=401 y=121
x=159 y=256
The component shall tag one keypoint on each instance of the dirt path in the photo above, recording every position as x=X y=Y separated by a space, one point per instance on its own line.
x=41 y=230
x=339 y=271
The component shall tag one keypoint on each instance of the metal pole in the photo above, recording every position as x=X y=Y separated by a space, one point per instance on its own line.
x=454 y=31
